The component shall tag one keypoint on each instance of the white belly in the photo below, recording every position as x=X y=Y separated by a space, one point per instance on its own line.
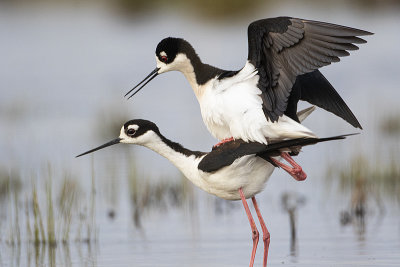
x=249 y=173
x=233 y=108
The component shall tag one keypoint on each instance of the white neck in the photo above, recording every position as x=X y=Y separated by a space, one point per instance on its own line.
x=186 y=164
x=186 y=67
x=191 y=77
x=183 y=64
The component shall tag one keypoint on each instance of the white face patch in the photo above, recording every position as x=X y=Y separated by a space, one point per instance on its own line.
x=160 y=65
x=142 y=139
x=181 y=63
x=134 y=127
x=163 y=54
x=122 y=133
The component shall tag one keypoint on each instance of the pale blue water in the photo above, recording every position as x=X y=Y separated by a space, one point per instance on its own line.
x=64 y=70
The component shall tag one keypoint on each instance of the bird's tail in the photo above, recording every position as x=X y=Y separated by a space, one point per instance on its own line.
x=303 y=114
x=274 y=149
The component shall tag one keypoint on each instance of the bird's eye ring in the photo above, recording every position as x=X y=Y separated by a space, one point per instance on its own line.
x=164 y=59
x=130 y=132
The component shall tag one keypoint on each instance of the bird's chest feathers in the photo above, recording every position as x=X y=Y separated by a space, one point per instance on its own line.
x=225 y=103
x=212 y=107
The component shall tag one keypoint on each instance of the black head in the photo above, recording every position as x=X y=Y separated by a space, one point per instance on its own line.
x=137 y=128
x=170 y=47
x=133 y=132
x=171 y=54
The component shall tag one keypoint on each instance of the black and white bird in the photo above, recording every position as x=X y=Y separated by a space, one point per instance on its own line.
x=259 y=102
x=234 y=170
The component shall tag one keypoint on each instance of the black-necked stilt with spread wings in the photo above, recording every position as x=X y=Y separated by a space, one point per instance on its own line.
x=259 y=102
x=234 y=170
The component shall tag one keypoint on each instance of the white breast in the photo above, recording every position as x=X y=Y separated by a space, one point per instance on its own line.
x=232 y=107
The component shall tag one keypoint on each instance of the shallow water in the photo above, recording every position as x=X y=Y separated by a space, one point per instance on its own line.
x=66 y=72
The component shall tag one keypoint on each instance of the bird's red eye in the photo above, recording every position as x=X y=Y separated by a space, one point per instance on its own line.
x=164 y=59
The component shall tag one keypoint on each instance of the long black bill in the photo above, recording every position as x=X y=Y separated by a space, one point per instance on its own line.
x=154 y=73
x=113 y=142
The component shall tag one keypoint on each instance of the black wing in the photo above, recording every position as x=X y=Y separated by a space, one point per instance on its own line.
x=283 y=48
x=314 y=88
x=227 y=153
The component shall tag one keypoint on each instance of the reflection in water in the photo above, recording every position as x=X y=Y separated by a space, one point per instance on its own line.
x=366 y=182
x=146 y=195
x=65 y=254
x=47 y=255
x=224 y=207
x=358 y=209
x=291 y=201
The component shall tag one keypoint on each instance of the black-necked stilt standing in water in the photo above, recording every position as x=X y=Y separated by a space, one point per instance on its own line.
x=258 y=103
x=234 y=170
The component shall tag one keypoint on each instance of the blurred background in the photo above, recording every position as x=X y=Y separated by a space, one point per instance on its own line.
x=65 y=67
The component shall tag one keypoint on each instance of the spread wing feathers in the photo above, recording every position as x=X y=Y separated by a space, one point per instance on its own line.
x=283 y=48
x=227 y=153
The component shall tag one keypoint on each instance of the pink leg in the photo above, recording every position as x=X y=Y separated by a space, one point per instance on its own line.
x=254 y=230
x=266 y=236
x=295 y=171
x=226 y=140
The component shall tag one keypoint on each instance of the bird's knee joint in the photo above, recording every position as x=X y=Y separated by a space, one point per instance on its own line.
x=255 y=234
x=266 y=237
